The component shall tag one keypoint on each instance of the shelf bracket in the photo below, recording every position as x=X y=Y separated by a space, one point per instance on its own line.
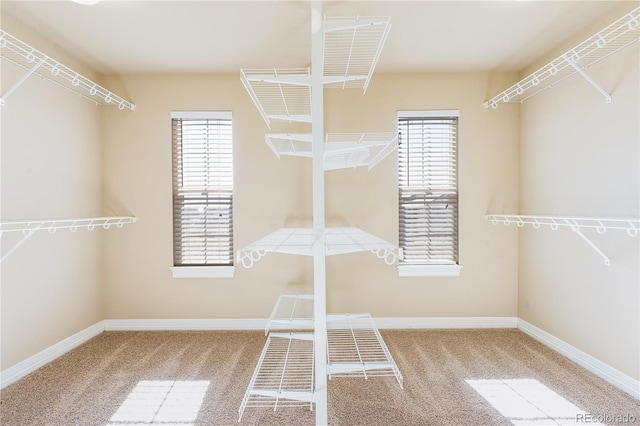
x=582 y=72
x=27 y=234
x=576 y=228
x=22 y=79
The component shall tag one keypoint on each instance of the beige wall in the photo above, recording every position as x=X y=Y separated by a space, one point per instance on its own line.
x=51 y=168
x=580 y=156
x=270 y=193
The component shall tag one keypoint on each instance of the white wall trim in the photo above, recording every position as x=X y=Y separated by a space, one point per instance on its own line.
x=588 y=362
x=446 y=322
x=184 y=324
x=29 y=365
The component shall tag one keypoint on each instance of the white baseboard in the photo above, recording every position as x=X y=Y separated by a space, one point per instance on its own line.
x=599 y=368
x=29 y=365
x=184 y=324
x=588 y=362
x=446 y=322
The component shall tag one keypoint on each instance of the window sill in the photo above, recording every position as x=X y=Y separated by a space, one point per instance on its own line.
x=203 y=271
x=408 y=270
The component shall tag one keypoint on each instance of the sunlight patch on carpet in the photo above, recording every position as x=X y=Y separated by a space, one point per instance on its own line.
x=528 y=402
x=161 y=402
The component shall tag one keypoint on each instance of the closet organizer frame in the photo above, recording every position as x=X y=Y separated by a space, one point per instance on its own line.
x=30 y=227
x=345 y=55
x=613 y=38
x=576 y=224
x=35 y=62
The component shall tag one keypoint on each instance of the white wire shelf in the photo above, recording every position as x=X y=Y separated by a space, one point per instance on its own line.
x=284 y=375
x=356 y=348
x=352 y=47
x=36 y=62
x=29 y=227
x=280 y=94
x=291 y=311
x=341 y=150
x=616 y=36
x=576 y=224
x=299 y=241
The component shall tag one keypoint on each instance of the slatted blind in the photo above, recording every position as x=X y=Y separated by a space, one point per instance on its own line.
x=428 y=190
x=202 y=189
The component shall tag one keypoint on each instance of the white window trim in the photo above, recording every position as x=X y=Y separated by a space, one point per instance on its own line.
x=212 y=115
x=428 y=270
x=408 y=270
x=434 y=113
x=203 y=271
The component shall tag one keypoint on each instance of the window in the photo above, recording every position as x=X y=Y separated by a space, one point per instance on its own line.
x=202 y=194
x=428 y=192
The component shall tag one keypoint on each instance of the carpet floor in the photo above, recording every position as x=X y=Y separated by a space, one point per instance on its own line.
x=451 y=377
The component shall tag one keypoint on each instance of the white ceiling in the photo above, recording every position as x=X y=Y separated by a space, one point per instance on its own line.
x=140 y=37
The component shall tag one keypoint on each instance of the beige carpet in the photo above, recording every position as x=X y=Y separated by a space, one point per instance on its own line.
x=442 y=370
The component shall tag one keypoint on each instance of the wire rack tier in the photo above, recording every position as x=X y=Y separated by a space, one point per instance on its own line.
x=35 y=62
x=616 y=36
x=356 y=348
x=341 y=150
x=352 y=47
x=283 y=376
x=299 y=241
x=280 y=94
x=291 y=311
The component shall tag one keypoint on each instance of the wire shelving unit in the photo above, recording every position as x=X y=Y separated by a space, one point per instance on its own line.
x=341 y=150
x=35 y=62
x=600 y=224
x=613 y=38
x=30 y=227
x=344 y=53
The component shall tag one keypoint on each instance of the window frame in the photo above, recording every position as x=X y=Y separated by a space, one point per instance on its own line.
x=206 y=270
x=430 y=269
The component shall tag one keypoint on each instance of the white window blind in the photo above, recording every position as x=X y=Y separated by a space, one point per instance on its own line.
x=428 y=190
x=202 y=189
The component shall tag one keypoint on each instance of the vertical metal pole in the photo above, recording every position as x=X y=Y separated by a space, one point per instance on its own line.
x=319 y=251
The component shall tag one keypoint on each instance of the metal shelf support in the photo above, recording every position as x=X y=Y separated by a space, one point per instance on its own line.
x=586 y=76
x=21 y=80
